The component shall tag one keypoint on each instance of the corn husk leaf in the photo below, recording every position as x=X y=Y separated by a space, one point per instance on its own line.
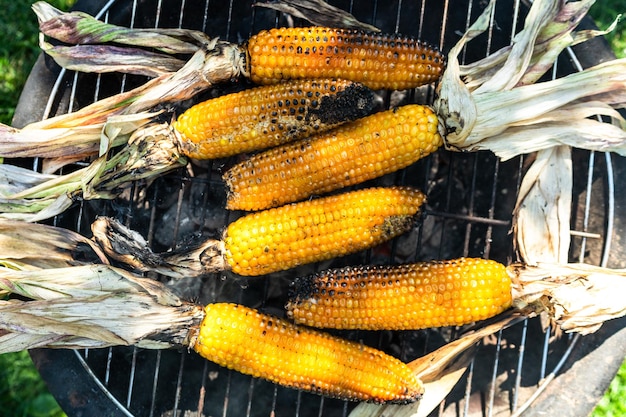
x=75 y=141
x=111 y=58
x=150 y=152
x=40 y=246
x=578 y=297
x=80 y=28
x=15 y=179
x=102 y=47
x=547 y=31
x=318 y=12
x=499 y=110
x=189 y=259
x=81 y=307
x=541 y=218
x=96 y=46
x=81 y=281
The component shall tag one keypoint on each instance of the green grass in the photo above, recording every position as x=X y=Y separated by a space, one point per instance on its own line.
x=604 y=12
x=21 y=388
x=613 y=404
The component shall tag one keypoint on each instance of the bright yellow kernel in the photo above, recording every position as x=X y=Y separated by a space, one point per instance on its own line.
x=377 y=60
x=438 y=293
x=366 y=217
x=302 y=358
x=362 y=150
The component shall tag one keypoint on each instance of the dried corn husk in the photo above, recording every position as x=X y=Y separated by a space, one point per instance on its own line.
x=150 y=152
x=94 y=42
x=188 y=260
x=541 y=219
x=499 y=110
x=318 y=12
x=578 y=297
x=38 y=246
x=91 y=306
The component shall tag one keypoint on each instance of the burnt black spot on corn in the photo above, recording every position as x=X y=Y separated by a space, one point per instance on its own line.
x=302 y=358
x=268 y=116
x=377 y=60
x=402 y=297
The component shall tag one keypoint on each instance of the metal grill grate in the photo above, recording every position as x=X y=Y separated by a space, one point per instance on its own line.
x=471 y=197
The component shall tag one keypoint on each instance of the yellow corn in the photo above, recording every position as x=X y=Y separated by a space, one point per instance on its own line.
x=311 y=231
x=267 y=347
x=377 y=60
x=267 y=116
x=413 y=296
x=361 y=150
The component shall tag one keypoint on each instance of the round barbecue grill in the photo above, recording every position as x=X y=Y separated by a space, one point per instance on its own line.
x=471 y=198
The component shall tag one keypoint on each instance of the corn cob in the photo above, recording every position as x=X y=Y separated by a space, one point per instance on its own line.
x=302 y=358
x=377 y=60
x=412 y=296
x=267 y=116
x=350 y=154
x=311 y=231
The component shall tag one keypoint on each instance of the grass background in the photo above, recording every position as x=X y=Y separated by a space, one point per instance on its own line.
x=21 y=389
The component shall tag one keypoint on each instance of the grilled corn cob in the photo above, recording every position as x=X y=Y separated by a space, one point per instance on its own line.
x=302 y=358
x=267 y=116
x=353 y=153
x=412 y=296
x=377 y=60
x=311 y=231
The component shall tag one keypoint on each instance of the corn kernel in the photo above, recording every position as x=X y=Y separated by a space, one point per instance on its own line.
x=367 y=217
x=440 y=293
x=267 y=116
x=376 y=60
x=356 y=152
x=302 y=358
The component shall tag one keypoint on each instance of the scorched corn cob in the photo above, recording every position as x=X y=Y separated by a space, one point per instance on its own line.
x=412 y=296
x=311 y=231
x=361 y=150
x=377 y=60
x=267 y=116
x=302 y=358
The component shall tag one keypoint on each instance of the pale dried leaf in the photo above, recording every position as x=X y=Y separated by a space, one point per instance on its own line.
x=578 y=297
x=541 y=218
x=109 y=58
x=318 y=12
x=100 y=319
x=194 y=258
x=81 y=282
x=80 y=28
x=43 y=246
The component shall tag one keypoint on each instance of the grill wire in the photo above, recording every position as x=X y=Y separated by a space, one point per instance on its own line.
x=471 y=197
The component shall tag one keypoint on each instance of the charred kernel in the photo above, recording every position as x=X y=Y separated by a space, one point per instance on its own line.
x=332 y=366
x=348 y=155
x=360 y=219
x=374 y=59
x=238 y=122
x=421 y=295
